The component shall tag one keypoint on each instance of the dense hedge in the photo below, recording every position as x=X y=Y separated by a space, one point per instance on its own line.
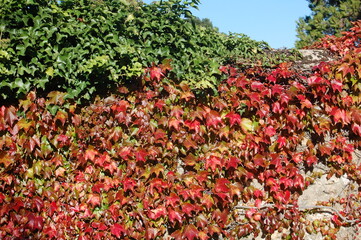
x=89 y=47
x=158 y=163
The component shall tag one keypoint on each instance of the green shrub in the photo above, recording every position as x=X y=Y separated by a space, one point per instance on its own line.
x=90 y=47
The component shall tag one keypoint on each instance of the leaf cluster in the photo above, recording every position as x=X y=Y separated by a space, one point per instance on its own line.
x=159 y=162
x=90 y=47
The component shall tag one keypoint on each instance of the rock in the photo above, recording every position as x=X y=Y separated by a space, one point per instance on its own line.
x=311 y=58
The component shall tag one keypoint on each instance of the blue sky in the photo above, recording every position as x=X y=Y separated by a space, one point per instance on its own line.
x=273 y=21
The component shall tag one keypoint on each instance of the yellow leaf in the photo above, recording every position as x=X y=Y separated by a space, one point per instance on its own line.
x=247 y=125
x=50 y=71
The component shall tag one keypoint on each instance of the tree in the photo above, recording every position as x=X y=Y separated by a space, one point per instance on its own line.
x=204 y=22
x=329 y=17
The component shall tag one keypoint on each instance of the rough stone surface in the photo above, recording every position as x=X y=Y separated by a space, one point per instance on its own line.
x=311 y=58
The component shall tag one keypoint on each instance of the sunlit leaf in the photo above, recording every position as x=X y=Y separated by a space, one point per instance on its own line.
x=117 y=230
x=190 y=232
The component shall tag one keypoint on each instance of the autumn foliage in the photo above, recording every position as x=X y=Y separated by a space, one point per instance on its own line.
x=159 y=162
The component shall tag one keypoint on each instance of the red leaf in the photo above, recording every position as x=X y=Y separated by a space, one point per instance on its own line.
x=97 y=188
x=53 y=208
x=155 y=73
x=18 y=203
x=10 y=115
x=272 y=78
x=336 y=86
x=356 y=129
x=160 y=104
x=159 y=184
x=276 y=160
x=299 y=181
x=325 y=150
x=297 y=157
x=286 y=182
x=94 y=199
x=223 y=69
x=125 y=153
x=276 y=108
x=35 y=222
x=337 y=158
x=188 y=208
x=193 y=125
x=129 y=184
x=213 y=119
x=2 y=197
x=76 y=120
x=306 y=104
x=277 y=89
x=315 y=80
x=258 y=193
x=120 y=106
x=190 y=160
x=255 y=98
x=233 y=163
x=190 y=232
x=340 y=115
x=212 y=162
x=172 y=200
x=50 y=232
x=222 y=185
x=259 y=160
x=220 y=217
x=151 y=233
x=257 y=86
x=282 y=141
x=174 y=215
x=117 y=230
x=202 y=221
x=311 y=160
x=38 y=203
x=99 y=225
x=103 y=160
x=141 y=154
x=270 y=131
x=160 y=211
x=347 y=101
x=234 y=118
x=121 y=198
x=196 y=192
x=63 y=138
x=283 y=196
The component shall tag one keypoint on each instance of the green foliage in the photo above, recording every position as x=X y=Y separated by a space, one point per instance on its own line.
x=327 y=18
x=92 y=46
x=72 y=46
x=204 y=22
